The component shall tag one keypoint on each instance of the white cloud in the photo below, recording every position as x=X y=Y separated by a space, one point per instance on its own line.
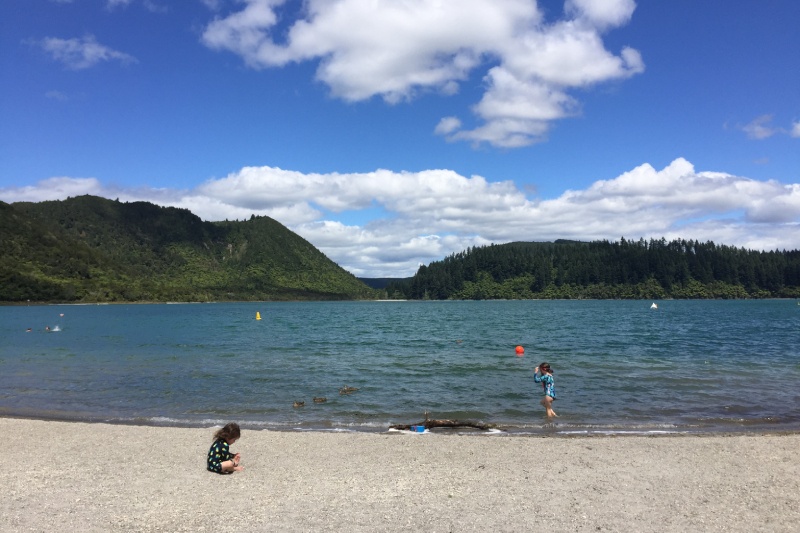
x=150 y=5
x=430 y=214
x=56 y=188
x=79 y=54
x=155 y=7
x=602 y=13
x=212 y=4
x=760 y=128
x=56 y=95
x=447 y=125
x=118 y=3
x=397 y=49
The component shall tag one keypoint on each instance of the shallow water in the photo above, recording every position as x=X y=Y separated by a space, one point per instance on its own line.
x=618 y=365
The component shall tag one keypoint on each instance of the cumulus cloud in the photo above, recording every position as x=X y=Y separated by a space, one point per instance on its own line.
x=795 y=131
x=57 y=188
x=601 y=13
x=83 y=53
x=397 y=49
x=427 y=215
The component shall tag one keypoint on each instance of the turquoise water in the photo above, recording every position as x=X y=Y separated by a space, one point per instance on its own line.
x=618 y=365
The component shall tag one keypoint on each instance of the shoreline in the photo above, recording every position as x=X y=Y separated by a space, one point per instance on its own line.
x=179 y=302
x=111 y=477
x=497 y=430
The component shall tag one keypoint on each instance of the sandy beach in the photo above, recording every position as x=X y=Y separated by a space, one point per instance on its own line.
x=67 y=476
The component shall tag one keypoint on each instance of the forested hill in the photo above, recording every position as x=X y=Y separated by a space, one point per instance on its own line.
x=90 y=249
x=654 y=269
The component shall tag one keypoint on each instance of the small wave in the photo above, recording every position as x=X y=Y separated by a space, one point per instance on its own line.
x=622 y=432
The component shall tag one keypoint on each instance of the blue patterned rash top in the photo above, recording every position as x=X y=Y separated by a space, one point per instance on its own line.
x=218 y=453
x=547 y=384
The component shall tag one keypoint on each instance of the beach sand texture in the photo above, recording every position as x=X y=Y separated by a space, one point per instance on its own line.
x=68 y=476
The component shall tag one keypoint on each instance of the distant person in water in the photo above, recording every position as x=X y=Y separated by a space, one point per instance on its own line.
x=220 y=459
x=544 y=374
x=29 y=330
x=47 y=328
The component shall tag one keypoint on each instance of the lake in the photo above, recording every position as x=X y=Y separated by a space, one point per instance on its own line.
x=619 y=366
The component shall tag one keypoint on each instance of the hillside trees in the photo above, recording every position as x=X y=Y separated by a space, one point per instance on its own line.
x=651 y=269
x=97 y=250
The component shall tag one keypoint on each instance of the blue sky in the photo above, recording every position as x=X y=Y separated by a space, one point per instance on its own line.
x=391 y=134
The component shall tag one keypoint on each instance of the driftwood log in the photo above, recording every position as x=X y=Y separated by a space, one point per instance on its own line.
x=430 y=424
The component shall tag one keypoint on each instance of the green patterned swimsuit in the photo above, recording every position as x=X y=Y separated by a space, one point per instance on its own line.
x=218 y=453
x=547 y=384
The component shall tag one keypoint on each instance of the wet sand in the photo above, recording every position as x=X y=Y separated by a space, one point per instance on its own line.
x=70 y=476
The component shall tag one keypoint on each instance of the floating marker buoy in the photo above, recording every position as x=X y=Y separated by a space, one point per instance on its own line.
x=258 y=315
x=520 y=350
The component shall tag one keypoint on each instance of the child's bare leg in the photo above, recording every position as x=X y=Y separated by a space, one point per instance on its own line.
x=231 y=466
x=547 y=402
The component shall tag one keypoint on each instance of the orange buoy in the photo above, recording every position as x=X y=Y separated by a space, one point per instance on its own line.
x=520 y=350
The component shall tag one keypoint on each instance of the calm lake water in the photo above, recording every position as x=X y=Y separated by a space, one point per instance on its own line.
x=619 y=366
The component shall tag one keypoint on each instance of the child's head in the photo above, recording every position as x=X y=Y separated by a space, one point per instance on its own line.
x=230 y=432
x=545 y=367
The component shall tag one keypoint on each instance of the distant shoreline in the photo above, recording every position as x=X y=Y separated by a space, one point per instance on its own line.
x=31 y=304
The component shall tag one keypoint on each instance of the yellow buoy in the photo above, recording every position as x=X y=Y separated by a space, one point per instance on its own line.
x=258 y=315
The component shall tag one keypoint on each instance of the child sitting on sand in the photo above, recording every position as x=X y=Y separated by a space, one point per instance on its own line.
x=220 y=459
x=544 y=374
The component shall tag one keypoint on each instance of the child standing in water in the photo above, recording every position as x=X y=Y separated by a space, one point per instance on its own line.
x=544 y=374
x=220 y=459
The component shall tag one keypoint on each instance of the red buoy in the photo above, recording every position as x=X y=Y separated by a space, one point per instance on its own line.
x=520 y=350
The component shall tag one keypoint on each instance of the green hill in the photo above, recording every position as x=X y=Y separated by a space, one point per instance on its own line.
x=90 y=249
x=652 y=269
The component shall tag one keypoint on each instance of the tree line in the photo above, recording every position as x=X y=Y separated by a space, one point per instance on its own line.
x=626 y=269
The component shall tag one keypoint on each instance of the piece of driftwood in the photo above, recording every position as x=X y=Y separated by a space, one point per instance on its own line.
x=430 y=424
